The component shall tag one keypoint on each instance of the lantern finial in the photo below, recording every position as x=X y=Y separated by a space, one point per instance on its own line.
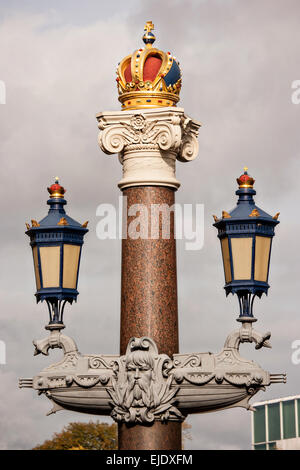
x=245 y=180
x=56 y=190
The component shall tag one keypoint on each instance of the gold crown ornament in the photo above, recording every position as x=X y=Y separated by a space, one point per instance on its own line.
x=149 y=78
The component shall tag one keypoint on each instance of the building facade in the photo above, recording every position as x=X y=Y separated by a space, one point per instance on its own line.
x=276 y=424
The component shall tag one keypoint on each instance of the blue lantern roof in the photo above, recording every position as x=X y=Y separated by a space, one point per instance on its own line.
x=246 y=206
x=57 y=217
x=246 y=209
x=55 y=214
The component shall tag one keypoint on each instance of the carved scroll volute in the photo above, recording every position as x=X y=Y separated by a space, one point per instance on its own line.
x=189 y=146
x=110 y=139
x=169 y=134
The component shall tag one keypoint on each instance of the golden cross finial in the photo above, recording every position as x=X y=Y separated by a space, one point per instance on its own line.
x=149 y=26
x=245 y=168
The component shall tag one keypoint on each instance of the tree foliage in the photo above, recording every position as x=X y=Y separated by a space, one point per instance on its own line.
x=83 y=436
x=90 y=436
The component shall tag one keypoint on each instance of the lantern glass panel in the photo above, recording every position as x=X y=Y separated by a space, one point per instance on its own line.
x=226 y=260
x=50 y=261
x=262 y=252
x=71 y=259
x=242 y=257
x=36 y=267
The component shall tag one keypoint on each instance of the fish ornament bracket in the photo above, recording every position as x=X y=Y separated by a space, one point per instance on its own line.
x=144 y=386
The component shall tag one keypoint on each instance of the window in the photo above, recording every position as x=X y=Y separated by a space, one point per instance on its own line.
x=274 y=421
x=298 y=403
x=272 y=446
x=288 y=414
x=259 y=425
x=260 y=447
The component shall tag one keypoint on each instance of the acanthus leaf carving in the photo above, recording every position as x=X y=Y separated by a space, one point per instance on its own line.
x=189 y=147
x=140 y=132
x=176 y=132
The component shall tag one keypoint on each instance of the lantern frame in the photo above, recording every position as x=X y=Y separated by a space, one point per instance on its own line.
x=246 y=221
x=59 y=230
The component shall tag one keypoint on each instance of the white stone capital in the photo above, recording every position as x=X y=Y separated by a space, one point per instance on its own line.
x=148 y=142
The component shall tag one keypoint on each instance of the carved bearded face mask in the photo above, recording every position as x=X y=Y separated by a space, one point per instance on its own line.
x=139 y=367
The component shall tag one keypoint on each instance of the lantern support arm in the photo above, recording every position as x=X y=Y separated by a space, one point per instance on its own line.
x=101 y=384
x=247 y=334
x=55 y=340
x=56 y=311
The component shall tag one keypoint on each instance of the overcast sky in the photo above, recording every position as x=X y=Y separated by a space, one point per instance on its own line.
x=58 y=60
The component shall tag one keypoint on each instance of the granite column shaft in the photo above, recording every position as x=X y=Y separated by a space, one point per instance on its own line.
x=149 y=299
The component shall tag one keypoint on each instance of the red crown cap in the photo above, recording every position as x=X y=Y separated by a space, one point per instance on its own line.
x=56 y=190
x=245 y=180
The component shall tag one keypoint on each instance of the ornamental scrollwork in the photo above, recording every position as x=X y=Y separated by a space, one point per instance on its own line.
x=189 y=147
x=144 y=386
x=141 y=131
x=111 y=140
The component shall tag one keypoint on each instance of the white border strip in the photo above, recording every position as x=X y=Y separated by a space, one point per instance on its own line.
x=276 y=400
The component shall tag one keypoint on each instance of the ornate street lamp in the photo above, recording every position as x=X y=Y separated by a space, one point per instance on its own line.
x=56 y=243
x=246 y=236
x=149 y=387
